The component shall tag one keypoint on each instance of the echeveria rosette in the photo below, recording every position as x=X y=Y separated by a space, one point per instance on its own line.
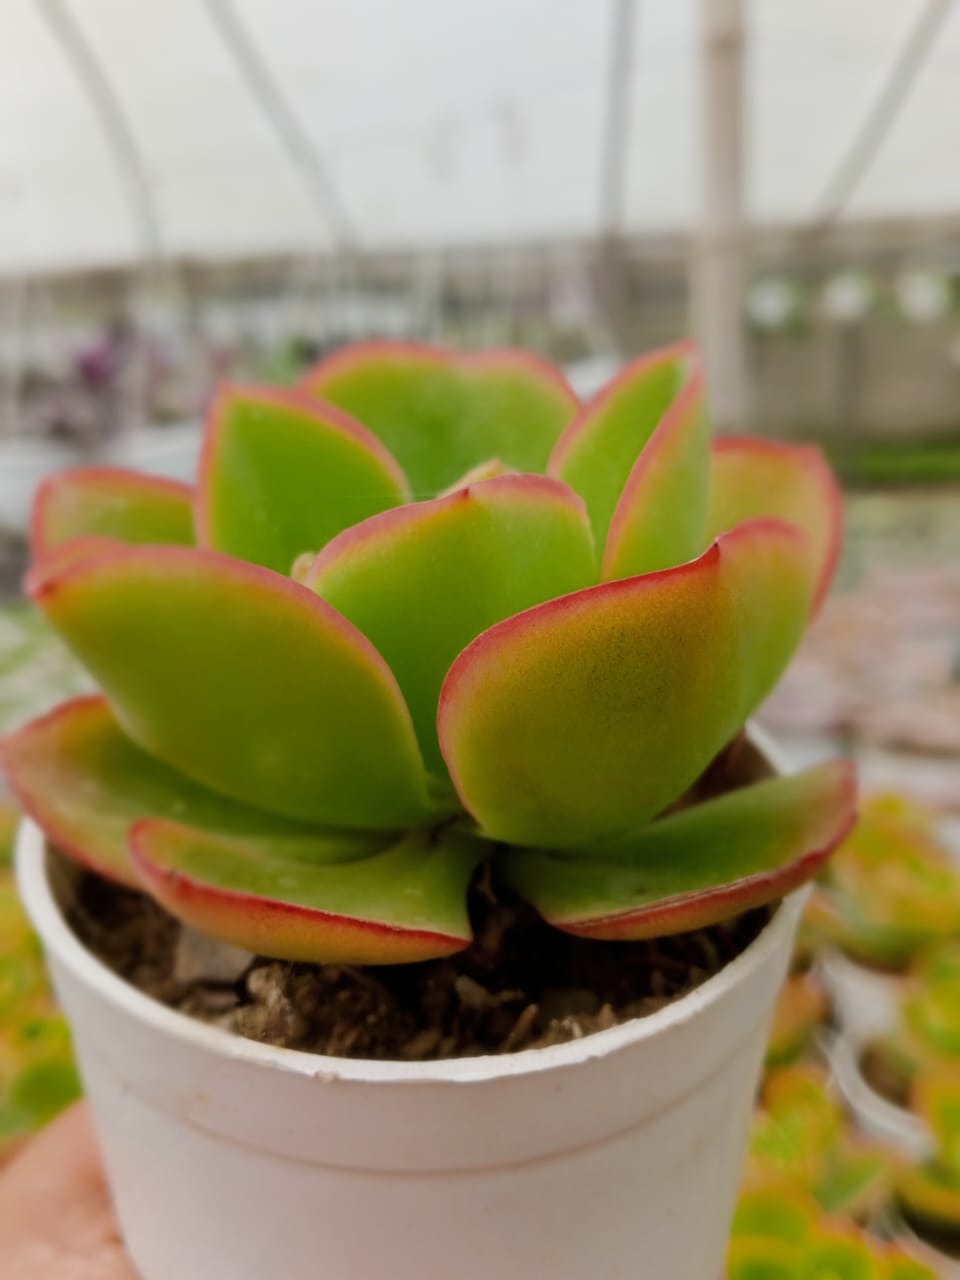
x=892 y=890
x=801 y=1137
x=436 y=611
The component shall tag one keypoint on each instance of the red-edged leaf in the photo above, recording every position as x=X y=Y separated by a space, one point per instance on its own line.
x=751 y=478
x=707 y=863
x=282 y=474
x=441 y=413
x=599 y=448
x=245 y=681
x=404 y=903
x=423 y=580
x=661 y=517
x=85 y=784
x=577 y=721
x=109 y=502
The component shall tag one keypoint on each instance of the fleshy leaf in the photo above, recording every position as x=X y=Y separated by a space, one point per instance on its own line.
x=802 y=1007
x=441 y=413
x=900 y=1266
x=405 y=903
x=779 y=1212
x=282 y=474
x=661 y=517
x=85 y=783
x=245 y=681
x=422 y=581
x=704 y=864
x=936 y=1097
x=856 y=1184
x=930 y=1193
x=841 y=1253
x=109 y=502
x=751 y=479
x=574 y=723
x=599 y=448
x=764 y=1258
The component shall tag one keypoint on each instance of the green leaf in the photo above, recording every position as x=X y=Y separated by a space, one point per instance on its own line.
x=900 y=1266
x=761 y=1258
x=930 y=1194
x=937 y=1098
x=245 y=681
x=751 y=479
x=599 y=448
x=282 y=474
x=574 y=723
x=85 y=783
x=661 y=517
x=802 y=1007
x=841 y=1254
x=857 y=1184
x=706 y=863
x=422 y=581
x=441 y=413
x=405 y=903
x=781 y=1212
x=109 y=502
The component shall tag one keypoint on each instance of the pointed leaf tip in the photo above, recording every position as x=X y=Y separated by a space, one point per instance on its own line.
x=601 y=445
x=660 y=519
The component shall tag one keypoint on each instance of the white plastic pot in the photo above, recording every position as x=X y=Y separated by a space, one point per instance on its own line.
x=615 y=1156
x=877 y=1117
x=866 y=1002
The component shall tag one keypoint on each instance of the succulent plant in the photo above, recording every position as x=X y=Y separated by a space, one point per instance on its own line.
x=37 y=1073
x=927 y=1034
x=780 y=1233
x=891 y=889
x=929 y=1192
x=801 y=1138
x=437 y=612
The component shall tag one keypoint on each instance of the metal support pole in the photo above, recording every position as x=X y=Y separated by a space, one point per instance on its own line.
x=718 y=267
x=611 y=265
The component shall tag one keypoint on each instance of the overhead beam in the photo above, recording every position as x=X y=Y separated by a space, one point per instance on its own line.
x=880 y=115
x=62 y=20
x=286 y=124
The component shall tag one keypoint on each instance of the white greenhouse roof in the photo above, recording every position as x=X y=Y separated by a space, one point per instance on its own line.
x=436 y=121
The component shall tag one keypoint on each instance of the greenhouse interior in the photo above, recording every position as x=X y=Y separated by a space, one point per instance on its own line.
x=529 y=841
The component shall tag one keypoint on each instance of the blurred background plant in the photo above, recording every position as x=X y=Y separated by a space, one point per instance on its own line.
x=37 y=1074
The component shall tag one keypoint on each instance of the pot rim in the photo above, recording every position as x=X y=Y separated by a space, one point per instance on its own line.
x=66 y=949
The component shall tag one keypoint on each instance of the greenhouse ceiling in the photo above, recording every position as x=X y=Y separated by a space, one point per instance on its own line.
x=232 y=128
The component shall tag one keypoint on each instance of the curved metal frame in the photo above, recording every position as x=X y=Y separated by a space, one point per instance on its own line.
x=881 y=114
x=61 y=19
x=283 y=120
